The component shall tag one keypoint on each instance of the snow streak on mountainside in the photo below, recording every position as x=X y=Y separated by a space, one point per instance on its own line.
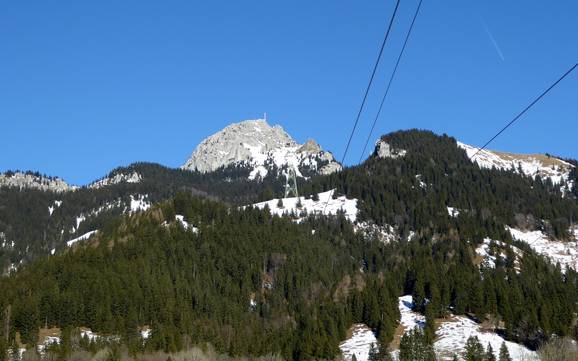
x=543 y=166
x=325 y=204
x=261 y=147
x=34 y=180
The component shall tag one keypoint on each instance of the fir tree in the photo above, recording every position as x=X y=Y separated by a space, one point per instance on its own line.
x=490 y=353
x=373 y=353
x=473 y=351
x=414 y=347
x=504 y=353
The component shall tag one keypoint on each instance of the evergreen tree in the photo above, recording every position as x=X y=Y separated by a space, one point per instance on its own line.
x=373 y=353
x=504 y=353
x=299 y=203
x=414 y=347
x=280 y=203
x=473 y=351
x=490 y=353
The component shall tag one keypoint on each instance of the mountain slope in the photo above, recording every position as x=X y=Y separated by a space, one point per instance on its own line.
x=532 y=165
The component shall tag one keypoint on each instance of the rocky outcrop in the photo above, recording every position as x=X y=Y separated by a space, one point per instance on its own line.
x=384 y=150
x=34 y=180
x=262 y=148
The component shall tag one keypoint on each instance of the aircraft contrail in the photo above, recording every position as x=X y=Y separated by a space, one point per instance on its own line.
x=491 y=36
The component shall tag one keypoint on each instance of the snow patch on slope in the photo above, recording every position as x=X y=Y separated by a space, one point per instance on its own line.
x=359 y=343
x=565 y=253
x=139 y=203
x=326 y=205
x=453 y=332
x=453 y=212
x=490 y=255
x=453 y=335
x=531 y=165
x=186 y=225
x=133 y=177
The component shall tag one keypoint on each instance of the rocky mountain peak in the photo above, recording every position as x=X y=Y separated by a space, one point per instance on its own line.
x=261 y=147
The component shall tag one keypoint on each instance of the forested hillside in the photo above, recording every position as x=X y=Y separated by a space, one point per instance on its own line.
x=37 y=221
x=250 y=283
x=413 y=191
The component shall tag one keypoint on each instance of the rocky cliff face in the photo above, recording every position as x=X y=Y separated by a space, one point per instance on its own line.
x=33 y=180
x=261 y=147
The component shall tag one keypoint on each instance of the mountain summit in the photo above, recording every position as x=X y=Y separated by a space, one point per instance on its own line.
x=262 y=148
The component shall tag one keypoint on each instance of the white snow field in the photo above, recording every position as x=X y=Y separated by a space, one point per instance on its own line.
x=334 y=206
x=359 y=343
x=451 y=335
x=565 y=253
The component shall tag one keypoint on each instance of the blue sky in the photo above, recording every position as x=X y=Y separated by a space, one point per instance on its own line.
x=89 y=86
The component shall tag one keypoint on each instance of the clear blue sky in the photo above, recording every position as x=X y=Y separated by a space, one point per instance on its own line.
x=88 y=86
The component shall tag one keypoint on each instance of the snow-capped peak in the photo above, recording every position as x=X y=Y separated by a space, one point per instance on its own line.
x=543 y=166
x=262 y=147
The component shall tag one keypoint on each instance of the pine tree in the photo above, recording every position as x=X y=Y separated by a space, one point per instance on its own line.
x=299 y=203
x=353 y=358
x=280 y=203
x=490 y=353
x=373 y=353
x=504 y=353
x=413 y=347
x=474 y=351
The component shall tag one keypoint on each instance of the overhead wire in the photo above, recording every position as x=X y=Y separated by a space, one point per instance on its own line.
x=525 y=110
x=386 y=36
x=390 y=81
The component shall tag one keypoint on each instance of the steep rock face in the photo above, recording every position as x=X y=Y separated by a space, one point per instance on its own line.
x=384 y=150
x=262 y=148
x=34 y=180
x=533 y=165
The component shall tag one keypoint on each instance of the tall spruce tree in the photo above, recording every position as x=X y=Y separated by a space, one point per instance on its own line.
x=490 y=353
x=473 y=351
x=504 y=353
